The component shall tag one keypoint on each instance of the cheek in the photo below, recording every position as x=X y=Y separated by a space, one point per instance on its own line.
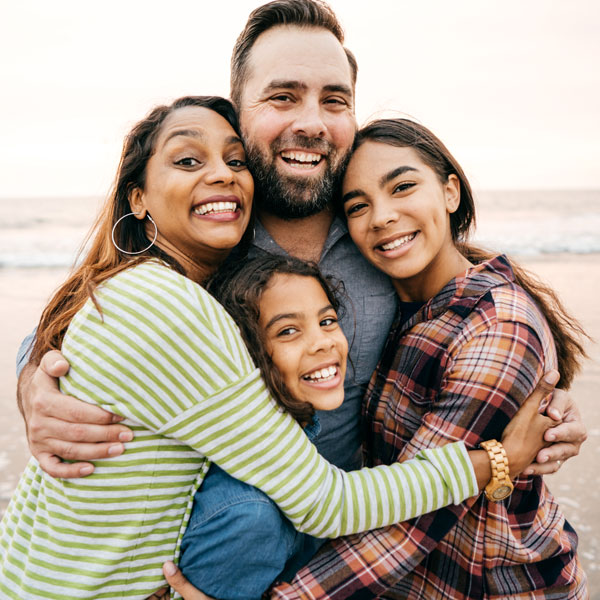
x=343 y=130
x=358 y=232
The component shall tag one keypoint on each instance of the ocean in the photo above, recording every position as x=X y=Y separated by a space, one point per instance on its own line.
x=47 y=232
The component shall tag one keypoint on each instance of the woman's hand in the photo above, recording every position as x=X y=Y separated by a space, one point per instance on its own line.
x=180 y=584
x=62 y=427
x=523 y=437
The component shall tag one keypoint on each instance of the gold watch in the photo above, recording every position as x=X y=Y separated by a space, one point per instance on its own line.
x=500 y=486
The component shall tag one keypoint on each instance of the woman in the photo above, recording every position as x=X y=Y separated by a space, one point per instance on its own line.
x=473 y=337
x=145 y=339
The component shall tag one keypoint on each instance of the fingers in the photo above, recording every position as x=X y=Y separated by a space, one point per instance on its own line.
x=543 y=469
x=571 y=433
x=53 y=363
x=180 y=584
x=544 y=388
x=56 y=468
x=67 y=408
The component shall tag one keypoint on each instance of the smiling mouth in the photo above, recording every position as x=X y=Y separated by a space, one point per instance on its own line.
x=321 y=375
x=398 y=242
x=212 y=208
x=302 y=160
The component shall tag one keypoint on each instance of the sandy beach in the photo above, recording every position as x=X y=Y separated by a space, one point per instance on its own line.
x=575 y=277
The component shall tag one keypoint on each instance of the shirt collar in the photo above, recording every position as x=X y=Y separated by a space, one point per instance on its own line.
x=264 y=241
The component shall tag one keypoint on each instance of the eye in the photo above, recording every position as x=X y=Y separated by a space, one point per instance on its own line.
x=237 y=163
x=328 y=322
x=188 y=161
x=336 y=102
x=287 y=331
x=403 y=187
x=355 y=209
x=282 y=98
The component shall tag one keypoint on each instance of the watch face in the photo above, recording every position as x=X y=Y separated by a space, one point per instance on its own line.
x=502 y=492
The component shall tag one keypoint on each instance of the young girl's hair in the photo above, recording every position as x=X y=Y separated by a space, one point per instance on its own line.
x=239 y=288
x=566 y=330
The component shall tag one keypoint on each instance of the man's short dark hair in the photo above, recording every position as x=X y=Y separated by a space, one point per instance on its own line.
x=301 y=13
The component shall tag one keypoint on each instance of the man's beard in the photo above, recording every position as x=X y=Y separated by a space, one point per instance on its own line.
x=294 y=197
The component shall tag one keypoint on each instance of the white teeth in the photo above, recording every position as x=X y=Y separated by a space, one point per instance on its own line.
x=215 y=207
x=399 y=242
x=305 y=158
x=322 y=374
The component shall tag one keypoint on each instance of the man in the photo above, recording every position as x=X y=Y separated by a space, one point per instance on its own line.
x=293 y=82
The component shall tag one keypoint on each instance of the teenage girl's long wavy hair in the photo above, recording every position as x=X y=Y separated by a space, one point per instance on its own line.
x=404 y=133
x=239 y=288
x=102 y=260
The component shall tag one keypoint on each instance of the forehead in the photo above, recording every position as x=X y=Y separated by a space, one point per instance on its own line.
x=291 y=293
x=311 y=55
x=197 y=119
x=373 y=159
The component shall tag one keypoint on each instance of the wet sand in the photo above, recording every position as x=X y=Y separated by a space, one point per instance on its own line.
x=576 y=278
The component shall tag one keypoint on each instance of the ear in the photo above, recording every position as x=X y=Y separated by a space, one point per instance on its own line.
x=452 y=193
x=136 y=202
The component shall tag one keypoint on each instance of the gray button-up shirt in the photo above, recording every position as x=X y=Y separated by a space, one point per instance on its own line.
x=368 y=313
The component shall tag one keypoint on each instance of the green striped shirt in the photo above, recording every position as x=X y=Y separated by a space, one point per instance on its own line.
x=167 y=357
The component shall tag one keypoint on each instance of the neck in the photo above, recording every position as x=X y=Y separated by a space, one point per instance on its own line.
x=430 y=281
x=301 y=238
x=198 y=269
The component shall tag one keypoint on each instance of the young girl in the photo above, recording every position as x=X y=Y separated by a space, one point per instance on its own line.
x=237 y=541
x=473 y=336
x=147 y=341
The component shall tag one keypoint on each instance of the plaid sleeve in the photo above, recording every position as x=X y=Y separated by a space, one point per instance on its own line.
x=486 y=379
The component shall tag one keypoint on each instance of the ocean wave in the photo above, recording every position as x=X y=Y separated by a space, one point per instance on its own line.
x=31 y=261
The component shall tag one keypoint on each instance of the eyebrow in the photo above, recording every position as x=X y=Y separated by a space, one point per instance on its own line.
x=282 y=316
x=199 y=135
x=292 y=84
x=389 y=176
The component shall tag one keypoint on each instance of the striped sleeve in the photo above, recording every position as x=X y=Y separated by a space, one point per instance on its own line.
x=171 y=359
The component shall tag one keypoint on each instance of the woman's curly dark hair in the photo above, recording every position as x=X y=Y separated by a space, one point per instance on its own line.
x=239 y=288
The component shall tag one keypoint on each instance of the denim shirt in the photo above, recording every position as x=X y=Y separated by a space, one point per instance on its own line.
x=238 y=542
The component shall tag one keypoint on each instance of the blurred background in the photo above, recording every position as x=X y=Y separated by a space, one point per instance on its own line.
x=512 y=88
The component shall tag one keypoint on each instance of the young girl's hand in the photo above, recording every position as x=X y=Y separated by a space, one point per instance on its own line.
x=523 y=437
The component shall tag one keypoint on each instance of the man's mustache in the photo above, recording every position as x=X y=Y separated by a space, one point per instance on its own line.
x=302 y=142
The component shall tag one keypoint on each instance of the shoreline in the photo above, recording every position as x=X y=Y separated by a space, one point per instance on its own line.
x=576 y=278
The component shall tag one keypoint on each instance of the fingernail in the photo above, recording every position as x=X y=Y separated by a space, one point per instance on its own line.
x=527 y=472
x=169 y=568
x=553 y=412
x=550 y=437
x=543 y=459
x=115 y=449
x=126 y=436
x=551 y=377
x=117 y=419
x=61 y=364
x=86 y=470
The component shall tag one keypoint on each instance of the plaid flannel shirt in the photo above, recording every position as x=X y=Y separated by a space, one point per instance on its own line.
x=458 y=369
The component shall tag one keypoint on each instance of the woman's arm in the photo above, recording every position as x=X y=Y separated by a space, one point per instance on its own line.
x=164 y=354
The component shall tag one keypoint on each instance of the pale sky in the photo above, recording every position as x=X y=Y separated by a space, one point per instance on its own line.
x=511 y=87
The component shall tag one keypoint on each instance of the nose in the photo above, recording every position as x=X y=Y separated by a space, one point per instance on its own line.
x=382 y=215
x=218 y=171
x=309 y=119
x=321 y=340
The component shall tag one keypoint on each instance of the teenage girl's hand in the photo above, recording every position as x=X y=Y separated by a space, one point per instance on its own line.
x=566 y=438
x=523 y=437
x=180 y=584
